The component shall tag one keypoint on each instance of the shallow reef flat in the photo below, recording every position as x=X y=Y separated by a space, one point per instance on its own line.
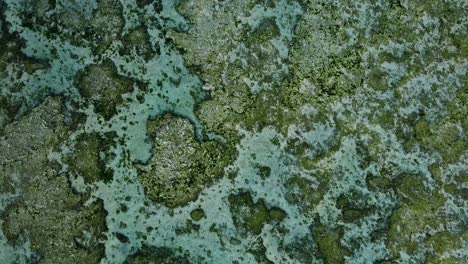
x=233 y=131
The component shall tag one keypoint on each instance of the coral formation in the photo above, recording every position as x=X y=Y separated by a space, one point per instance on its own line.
x=242 y=131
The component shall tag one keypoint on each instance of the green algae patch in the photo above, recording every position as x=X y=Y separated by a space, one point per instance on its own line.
x=197 y=214
x=417 y=216
x=264 y=171
x=444 y=246
x=352 y=208
x=250 y=216
x=413 y=190
x=328 y=241
x=101 y=85
x=181 y=166
x=445 y=138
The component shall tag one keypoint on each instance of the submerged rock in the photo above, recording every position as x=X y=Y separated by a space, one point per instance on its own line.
x=243 y=131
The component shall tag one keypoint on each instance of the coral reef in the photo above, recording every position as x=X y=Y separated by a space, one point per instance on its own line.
x=240 y=131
